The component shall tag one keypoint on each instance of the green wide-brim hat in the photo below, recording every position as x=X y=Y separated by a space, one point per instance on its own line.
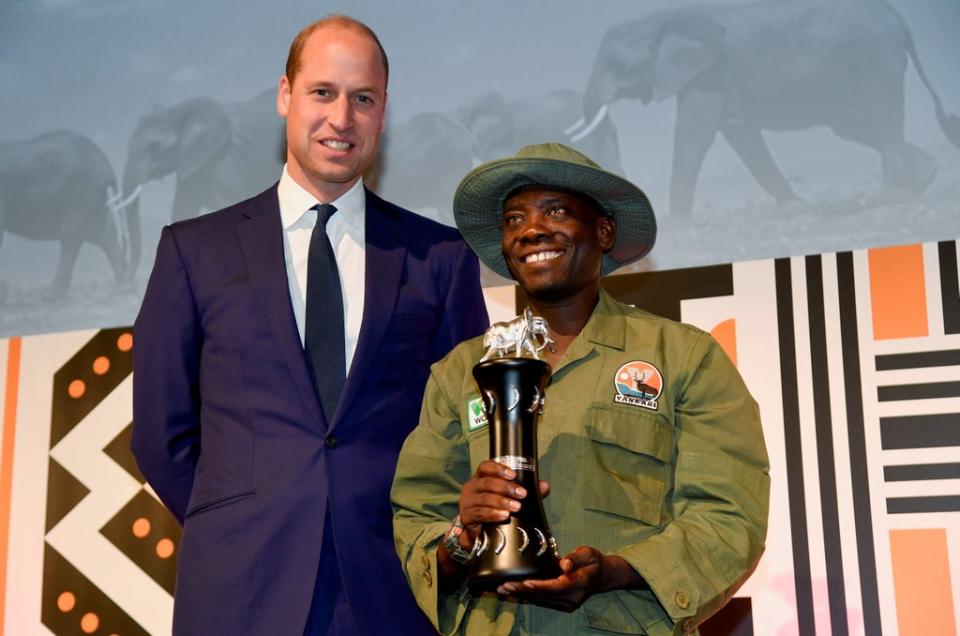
x=478 y=202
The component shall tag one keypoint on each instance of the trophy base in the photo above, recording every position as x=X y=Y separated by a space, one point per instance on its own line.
x=489 y=579
x=512 y=555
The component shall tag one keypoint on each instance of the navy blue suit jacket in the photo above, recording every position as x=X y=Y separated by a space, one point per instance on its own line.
x=229 y=431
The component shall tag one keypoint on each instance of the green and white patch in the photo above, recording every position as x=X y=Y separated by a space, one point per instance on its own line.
x=476 y=414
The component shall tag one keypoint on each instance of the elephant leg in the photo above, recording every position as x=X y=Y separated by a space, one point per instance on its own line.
x=110 y=244
x=749 y=144
x=698 y=117
x=69 y=250
x=905 y=166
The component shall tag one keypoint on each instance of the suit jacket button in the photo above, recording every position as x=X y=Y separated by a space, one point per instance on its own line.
x=332 y=442
x=683 y=601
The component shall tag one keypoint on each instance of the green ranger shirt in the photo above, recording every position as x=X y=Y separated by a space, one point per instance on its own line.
x=653 y=449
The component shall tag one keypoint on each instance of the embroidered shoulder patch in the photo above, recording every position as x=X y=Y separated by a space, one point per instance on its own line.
x=638 y=383
x=476 y=413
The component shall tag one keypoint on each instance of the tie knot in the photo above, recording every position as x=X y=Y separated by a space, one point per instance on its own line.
x=324 y=212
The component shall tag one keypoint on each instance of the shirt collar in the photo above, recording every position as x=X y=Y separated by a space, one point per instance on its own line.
x=295 y=201
x=605 y=327
x=607 y=324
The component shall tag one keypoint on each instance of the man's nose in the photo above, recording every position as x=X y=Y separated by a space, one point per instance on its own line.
x=340 y=115
x=534 y=229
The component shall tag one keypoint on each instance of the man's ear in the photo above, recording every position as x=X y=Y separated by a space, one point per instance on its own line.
x=606 y=232
x=283 y=96
x=383 y=120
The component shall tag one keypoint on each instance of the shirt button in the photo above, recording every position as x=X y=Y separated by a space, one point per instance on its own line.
x=683 y=602
x=332 y=442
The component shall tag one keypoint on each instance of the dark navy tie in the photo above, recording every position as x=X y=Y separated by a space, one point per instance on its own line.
x=324 y=316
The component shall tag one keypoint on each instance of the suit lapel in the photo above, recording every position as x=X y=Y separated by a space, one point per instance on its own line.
x=385 y=254
x=261 y=241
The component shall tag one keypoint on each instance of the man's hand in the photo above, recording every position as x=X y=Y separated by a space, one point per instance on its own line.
x=586 y=571
x=489 y=496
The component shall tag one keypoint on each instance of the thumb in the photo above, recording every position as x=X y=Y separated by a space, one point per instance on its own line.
x=544 y=488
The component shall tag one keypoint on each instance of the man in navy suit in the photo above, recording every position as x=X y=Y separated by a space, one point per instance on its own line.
x=284 y=499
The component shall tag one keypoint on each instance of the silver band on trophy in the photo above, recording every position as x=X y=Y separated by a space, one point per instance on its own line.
x=516 y=462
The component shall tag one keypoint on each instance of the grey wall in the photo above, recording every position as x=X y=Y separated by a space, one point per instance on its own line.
x=472 y=81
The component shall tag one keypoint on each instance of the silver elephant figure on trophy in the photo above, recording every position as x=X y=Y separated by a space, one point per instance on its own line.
x=525 y=333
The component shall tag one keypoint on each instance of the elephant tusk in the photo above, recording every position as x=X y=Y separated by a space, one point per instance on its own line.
x=573 y=129
x=112 y=196
x=117 y=207
x=596 y=122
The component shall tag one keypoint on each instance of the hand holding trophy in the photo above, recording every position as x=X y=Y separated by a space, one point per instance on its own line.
x=512 y=379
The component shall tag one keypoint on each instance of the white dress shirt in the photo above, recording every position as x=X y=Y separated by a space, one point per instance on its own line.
x=347 y=236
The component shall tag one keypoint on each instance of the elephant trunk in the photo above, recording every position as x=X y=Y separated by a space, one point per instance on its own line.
x=132 y=215
x=127 y=208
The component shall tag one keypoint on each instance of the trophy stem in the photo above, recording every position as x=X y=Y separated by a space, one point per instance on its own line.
x=521 y=547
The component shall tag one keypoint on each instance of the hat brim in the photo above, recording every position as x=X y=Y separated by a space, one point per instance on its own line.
x=478 y=206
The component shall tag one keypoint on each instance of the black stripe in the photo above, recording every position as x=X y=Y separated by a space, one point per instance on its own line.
x=918 y=360
x=911 y=472
x=820 y=383
x=943 y=503
x=859 y=478
x=920 y=431
x=791 y=436
x=949 y=286
x=927 y=391
x=661 y=292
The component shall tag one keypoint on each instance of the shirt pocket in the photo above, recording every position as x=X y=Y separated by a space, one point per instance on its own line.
x=632 y=453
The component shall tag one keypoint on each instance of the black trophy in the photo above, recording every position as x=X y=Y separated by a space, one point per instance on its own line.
x=512 y=388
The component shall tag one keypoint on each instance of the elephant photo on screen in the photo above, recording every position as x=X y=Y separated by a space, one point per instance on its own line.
x=778 y=66
x=59 y=186
x=219 y=153
x=423 y=158
x=421 y=161
x=502 y=125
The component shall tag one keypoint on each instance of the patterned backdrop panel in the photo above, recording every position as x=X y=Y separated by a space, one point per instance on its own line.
x=90 y=548
x=854 y=358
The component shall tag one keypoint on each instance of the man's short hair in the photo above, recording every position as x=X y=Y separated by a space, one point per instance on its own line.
x=338 y=20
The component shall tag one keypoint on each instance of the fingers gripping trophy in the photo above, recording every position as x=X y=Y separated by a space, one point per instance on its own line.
x=512 y=380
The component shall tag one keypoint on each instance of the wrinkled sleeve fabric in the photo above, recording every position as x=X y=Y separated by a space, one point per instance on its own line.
x=433 y=463
x=166 y=361
x=720 y=493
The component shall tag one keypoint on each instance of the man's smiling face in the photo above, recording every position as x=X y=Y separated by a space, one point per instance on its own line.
x=553 y=242
x=334 y=110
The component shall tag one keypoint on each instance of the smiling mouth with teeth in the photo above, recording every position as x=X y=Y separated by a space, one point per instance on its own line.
x=335 y=144
x=541 y=256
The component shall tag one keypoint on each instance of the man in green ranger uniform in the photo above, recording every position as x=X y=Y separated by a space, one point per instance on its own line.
x=649 y=440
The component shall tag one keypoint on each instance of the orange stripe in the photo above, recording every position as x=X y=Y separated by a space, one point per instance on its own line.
x=6 y=463
x=726 y=334
x=897 y=292
x=921 y=582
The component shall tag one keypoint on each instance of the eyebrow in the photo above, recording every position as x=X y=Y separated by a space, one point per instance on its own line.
x=553 y=200
x=333 y=84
